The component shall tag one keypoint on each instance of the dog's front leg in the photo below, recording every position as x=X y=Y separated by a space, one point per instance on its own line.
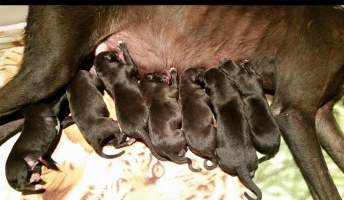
x=57 y=40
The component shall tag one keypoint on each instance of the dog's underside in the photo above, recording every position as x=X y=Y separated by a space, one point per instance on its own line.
x=298 y=51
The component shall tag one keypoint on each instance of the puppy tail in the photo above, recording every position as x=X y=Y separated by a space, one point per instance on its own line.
x=212 y=166
x=245 y=178
x=98 y=147
x=100 y=152
x=185 y=160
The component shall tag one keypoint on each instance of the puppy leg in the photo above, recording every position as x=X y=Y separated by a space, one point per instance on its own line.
x=329 y=134
x=127 y=58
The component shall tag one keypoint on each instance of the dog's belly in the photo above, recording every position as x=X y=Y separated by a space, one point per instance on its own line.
x=193 y=41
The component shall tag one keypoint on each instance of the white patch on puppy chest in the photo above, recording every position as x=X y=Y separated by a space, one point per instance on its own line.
x=57 y=127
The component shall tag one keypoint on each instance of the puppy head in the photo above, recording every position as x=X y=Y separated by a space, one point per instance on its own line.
x=189 y=75
x=211 y=77
x=230 y=67
x=106 y=61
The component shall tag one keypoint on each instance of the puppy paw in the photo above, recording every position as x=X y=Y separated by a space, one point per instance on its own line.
x=121 y=45
x=39 y=187
x=31 y=162
x=131 y=141
x=35 y=178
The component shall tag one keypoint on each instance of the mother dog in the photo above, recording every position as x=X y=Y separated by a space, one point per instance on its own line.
x=298 y=51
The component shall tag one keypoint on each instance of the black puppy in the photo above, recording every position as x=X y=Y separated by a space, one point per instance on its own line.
x=235 y=153
x=34 y=147
x=91 y=114
x=121 y=82
x=264 y=129
x=198 y=119
x=165 y=118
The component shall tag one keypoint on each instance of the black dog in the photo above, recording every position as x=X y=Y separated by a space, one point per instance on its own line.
x=165 y=118
x=91 y=114
x=39 y=138
x=198 y=119
x=121 y=82
x=264 y=128
x=296 y=49
x=234 y=152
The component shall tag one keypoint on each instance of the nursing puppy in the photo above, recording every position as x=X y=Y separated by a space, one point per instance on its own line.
x=197 y=117
x=165 y=118
x=121 y=82
x=36 y=143
x=264 y=129
x=235 y=153
x=91 y=114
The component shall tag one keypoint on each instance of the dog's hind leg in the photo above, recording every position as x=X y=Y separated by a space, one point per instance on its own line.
x=329 y=134
x=298 y=130
x=58 y=39
x=10 y=129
